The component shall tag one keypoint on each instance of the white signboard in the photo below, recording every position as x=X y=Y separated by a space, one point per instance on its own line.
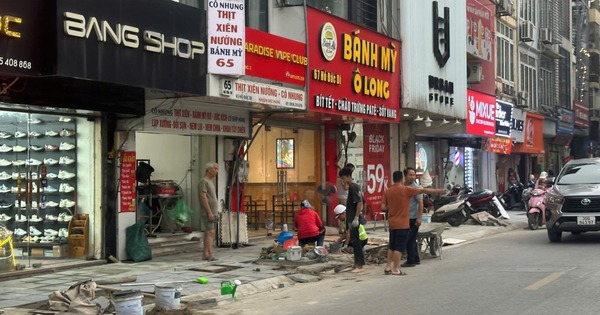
x=188 y=119
x=226 y=37
x=259 y=93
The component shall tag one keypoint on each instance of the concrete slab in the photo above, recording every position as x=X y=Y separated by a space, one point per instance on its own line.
x=304 y=278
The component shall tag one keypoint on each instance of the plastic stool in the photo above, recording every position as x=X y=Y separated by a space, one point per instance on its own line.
x=384 y=215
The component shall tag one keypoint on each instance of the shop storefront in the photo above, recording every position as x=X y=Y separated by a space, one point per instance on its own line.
x=528 y=146
x=582 y=145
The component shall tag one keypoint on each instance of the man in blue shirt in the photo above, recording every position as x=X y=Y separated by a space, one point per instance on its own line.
x=416 y=214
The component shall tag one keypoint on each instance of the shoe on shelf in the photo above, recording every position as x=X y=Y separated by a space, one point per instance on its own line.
x=65 y=146
x=50 y=232
x=35 y=121
x=50 y=217
x=50 y=189
x=5 y=162
x=34 y=231
x=18 y=162
x=65 y=160
x=19 y=148
x=4 y=217
x=5 y=205
x=34 y=134
x=20 y=134
x=67 y=133
x=22 y=205
x=63 y=232
x=20 y=232
x=33 y=162
x=62 y=174
x=4 y=189
x=65 y=119
x=5 y=135
x=51 y=203
x=20 y=218
x=51 y=133
x=66 y=188
x=64 y=217
x=50 y=161
x=50 y=147
x=51 y=176
x=36 y=148
x=35 y=218
x=5 y=148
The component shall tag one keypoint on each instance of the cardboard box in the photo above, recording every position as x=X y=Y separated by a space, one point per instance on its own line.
x=37 y=252
x=59 y=251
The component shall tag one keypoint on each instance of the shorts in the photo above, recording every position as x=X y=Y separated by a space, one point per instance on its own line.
x=398 y=239
x=205 y=225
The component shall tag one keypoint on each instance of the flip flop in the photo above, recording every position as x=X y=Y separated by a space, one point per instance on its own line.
x=401 y=273
x=212 y=259
x=357 y=270
x=387 y=272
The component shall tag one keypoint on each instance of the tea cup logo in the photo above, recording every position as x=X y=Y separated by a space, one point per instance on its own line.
x=472 y=114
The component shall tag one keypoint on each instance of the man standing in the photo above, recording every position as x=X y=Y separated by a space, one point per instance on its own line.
x=342 y=188
x=354 y=207
x=416 y=214
x=396 y=201
x=209 y=214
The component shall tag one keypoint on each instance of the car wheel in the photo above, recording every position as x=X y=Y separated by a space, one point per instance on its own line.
x=554 y=235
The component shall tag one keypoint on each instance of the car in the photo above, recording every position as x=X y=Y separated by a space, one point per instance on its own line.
x=573 y=202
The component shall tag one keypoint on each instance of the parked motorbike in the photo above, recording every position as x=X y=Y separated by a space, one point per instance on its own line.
x=536 y=215
x=454 y=194
x=483 y=201
x=512 y=196
x=455 y=213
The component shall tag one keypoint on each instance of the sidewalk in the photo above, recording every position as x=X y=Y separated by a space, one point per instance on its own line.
x=30 y=292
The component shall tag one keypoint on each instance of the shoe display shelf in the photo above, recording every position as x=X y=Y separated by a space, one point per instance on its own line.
x=79 y=236
x=27 y=143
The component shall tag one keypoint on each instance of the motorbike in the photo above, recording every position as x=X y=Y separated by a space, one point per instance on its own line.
x=536 y=215
x=455 y=193
x=509 y=198
x=483 y=201
x=455 y=213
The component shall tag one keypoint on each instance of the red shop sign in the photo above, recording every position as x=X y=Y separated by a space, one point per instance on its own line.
x=127 y=182
x=500 y=145
x=582 y=115
x=352 y=71
x=276 y=58
x=376 y=154
x=481 y=114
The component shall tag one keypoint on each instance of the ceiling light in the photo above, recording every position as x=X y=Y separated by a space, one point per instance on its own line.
x=428 y=122
x=405 y=115
x=457 y=122
x=419 y=118
x=444 y=121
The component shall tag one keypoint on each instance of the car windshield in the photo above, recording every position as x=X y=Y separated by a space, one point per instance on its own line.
x=584 y=173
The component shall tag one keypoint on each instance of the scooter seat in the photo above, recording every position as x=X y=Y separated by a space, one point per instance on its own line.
x=478 y=195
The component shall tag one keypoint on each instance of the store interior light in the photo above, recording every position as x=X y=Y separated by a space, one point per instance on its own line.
x=444 y=122
x=457 y=122
x=428 y=122
x=419 y=118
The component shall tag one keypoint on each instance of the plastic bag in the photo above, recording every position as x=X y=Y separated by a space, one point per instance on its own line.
x=180 y=213
x=136 y=242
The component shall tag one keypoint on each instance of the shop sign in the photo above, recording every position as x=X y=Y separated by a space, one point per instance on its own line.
x=276 y=58
x=266 y=94
x=110 y=41
x=582 y=115
x=533 y=140
x=517 y=125
x=504 y=112
x=23 y=43
x=226 y=28
x=127 y=182
x=501 y=145
x=566 y=122
x=480 y=44
x=481 y=114
x=352 y=71
x=376 y=154
x=183 y=118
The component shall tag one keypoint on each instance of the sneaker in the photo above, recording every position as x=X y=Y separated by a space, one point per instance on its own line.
x=65 y=187
x=51 y=133
x=66 y=203
x=51 y=190
x=18 y=162
x=5 y=135
x=65 y=175
x=34 y=231
x=34 y=204
x=34 y=175
x=50 y=217
x=15 y=175
x=51 y=176
x=65 y=119
x=4 y=217
x=20 y=232
x=35 y=121
x=65 y=160
x=63 y=232
x=4 y=189
x=65 y=146
x=64 y=217
x=50 y=232
x=35 y=218
x=33 y=162
x=4 y=162
x=36 y=148
x=19 y=148
x=51 y=147
x=4 y=176
x=23 y=205
x=5 y=205
x=20 y=218
x=67 y=133
x=48 y=239
x=50 y=161
x=20 y=134
x=5 y=148
x=51 y=203
x=34 y=134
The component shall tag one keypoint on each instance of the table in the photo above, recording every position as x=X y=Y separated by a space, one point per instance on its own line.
x=285 y=208
x=253 y=210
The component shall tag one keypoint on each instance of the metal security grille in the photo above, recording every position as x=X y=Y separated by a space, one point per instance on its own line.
x=364 y=12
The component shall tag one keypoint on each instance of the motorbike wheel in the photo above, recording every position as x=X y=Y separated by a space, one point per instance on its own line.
x=533 y=220
x=455 y=219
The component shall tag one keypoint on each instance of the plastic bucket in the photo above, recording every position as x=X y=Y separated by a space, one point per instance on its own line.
x=130 y=304
x=168 y=297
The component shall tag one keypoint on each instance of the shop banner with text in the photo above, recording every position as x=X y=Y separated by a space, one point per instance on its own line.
x=533 y=139
x=481 y=114
x=127 y=182
x=500 y=145
x=480 y=44
x=582 y=115
x=226 y=28
x=353 y=71
x=376 y=153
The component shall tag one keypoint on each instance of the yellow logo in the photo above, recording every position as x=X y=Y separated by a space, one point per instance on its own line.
x=6 y=24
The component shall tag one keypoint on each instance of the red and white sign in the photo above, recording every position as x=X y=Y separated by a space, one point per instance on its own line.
x=276 y=58
x=376 y=154
x=353 y=71
x=481 y=114
x=582 y=115
x=226 y=29
x=481 y=42
x=502 y=145
x=184 y=118
x=127 y=182
x=266 y=94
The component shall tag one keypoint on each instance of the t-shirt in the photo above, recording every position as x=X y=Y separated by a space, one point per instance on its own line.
x=397 y=200
x=307 y=222
x=207 y=186
x=341 y=191
x=354 y=197
x=414 y=202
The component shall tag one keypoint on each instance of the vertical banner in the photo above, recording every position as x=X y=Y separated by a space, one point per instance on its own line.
x=127 y=182
x=376 y=153
x=226 y=37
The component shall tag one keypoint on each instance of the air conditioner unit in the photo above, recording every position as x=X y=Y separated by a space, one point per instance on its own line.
x=521 y=100
x=474 y=74
x=504 y=7
x=545 y=35
x=522 y=95
x=552 y=51
x=508 y=89
x=526 y=31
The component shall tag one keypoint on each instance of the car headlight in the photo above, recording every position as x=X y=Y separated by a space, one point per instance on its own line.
x=554 y=198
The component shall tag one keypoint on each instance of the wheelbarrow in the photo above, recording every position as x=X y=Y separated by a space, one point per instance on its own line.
x=429 y=239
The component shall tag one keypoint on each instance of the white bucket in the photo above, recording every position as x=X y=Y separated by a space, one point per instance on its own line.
x=129 y=305
x=168 y=297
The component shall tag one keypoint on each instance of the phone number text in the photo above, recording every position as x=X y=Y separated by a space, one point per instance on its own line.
x=15 y=63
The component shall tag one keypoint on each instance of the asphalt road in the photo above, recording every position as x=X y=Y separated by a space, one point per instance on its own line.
x=518 y=272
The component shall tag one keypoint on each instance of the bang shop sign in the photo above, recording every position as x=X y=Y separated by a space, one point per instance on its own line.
x=376 y=154
x=481 y=114
x=352 y=71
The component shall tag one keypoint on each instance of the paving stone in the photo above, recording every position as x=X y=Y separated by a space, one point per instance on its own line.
x=304 y=278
